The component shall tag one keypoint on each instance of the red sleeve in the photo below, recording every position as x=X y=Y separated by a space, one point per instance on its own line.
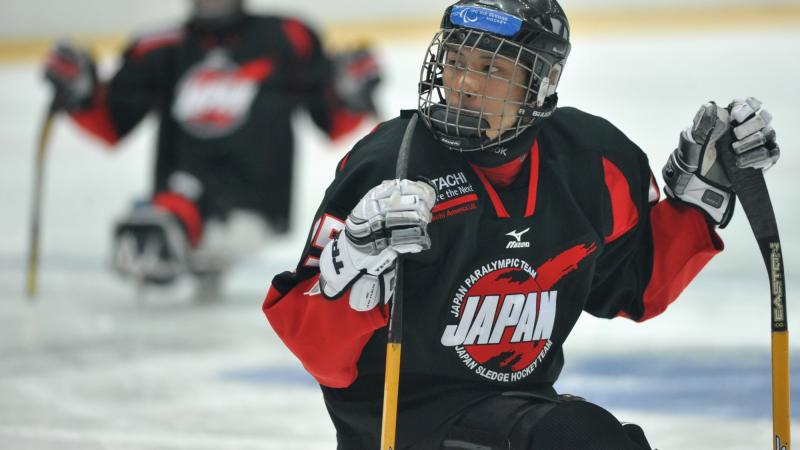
x=327 y=336
x=683 y=243
x=343 y=122
x=96 y=119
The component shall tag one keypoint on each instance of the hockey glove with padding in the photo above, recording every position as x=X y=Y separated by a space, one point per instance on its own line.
x=755 y=144
x=391 y=219
x=150 y=245
x=72 y=72
x=356 y=75
x=694 y=174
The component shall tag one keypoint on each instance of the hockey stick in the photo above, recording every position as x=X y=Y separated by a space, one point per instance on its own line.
x=391 y=382
x=32 y=276
x=752 y=192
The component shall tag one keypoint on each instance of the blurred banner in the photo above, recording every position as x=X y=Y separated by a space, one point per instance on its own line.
x=24 y=22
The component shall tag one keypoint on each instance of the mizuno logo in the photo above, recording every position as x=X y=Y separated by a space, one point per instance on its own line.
x=517 y=235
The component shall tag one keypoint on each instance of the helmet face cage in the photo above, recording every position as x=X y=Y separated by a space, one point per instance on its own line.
x=503 y=114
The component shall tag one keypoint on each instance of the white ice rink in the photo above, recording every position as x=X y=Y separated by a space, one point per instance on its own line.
x=88 y=365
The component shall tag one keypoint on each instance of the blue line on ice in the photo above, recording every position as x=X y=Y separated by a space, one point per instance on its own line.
x=720 y=387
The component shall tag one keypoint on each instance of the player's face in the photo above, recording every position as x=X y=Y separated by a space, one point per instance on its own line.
x=477 y=81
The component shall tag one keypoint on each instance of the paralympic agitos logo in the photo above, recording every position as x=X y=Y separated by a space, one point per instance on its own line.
x=504 y=313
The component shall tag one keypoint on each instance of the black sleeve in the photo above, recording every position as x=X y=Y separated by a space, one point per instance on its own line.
x=624 y=266
x=312 y=76
x=137 y=86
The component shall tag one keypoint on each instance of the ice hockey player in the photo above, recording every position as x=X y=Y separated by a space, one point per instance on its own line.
x=515 y=217
x=225 y=85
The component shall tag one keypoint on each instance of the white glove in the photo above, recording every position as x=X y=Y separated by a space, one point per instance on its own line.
x=695 y=175
x=755 y=144
x=390 y=219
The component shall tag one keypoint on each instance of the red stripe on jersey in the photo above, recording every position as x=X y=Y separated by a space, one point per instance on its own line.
x=326 y=336
x=343 y=122
x=343 y=163
x=299 y=37
x=151 y=43
x=185 y=210
x=97 y=119
x=455 y=202
x=533 y=183
x=496 y=202
x=623 y=210
x=256 y=70
x=555 y=269
x=683 y=243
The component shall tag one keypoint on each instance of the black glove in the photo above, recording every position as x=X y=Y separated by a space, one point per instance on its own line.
x=73 y=74
x=356 y=75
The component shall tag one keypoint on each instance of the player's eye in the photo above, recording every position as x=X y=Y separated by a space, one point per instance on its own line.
x=458 y=64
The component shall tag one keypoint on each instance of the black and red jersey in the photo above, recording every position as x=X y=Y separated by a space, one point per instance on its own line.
x=488 y=308
x=225 y=101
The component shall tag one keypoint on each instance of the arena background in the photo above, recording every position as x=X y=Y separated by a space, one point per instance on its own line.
x=92 y=364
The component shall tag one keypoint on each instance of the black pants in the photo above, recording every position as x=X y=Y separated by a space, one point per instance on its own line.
x=517 y=421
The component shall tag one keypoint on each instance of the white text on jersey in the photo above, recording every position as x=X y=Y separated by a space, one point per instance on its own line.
x=484 y=326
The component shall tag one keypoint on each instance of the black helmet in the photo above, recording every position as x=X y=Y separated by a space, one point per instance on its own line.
x=214 y=15
x=531 y=37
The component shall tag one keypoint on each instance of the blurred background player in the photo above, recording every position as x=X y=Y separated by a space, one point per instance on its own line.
x=225 y=85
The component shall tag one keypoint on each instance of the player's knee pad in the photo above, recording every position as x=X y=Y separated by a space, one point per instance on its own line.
x=490 y=424
x=149 y=245
x=518 y=421
x=636 y=434
x=575 y=425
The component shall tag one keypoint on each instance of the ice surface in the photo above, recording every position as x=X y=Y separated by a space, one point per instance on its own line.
x=92 y=365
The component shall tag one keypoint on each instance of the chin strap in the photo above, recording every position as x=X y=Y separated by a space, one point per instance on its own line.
x=539 y=112
x=461 y=132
